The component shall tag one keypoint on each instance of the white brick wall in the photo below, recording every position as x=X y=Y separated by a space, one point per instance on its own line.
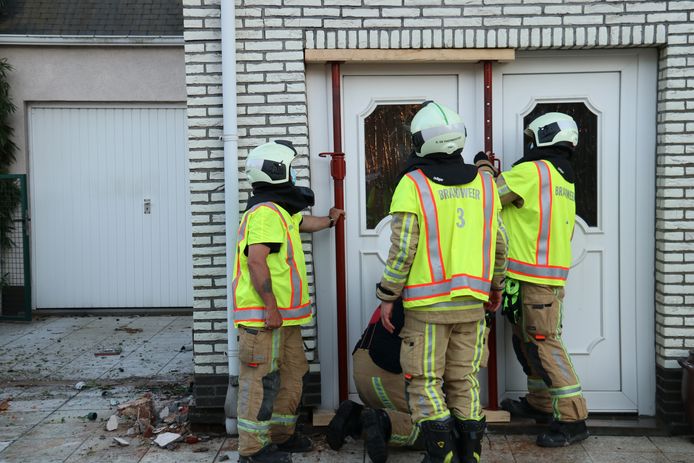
x=272 y=103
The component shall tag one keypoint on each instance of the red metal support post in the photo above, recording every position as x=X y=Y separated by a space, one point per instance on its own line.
x=337 y=171
x=492 y=387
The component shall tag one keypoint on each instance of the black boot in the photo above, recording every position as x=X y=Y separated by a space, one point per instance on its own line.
x=268 y=454
x=439 y=441
x=344 y=423
x=470 y=434
x=563 y=433
x=523 y=409
x=376 y=428
x=297 y=443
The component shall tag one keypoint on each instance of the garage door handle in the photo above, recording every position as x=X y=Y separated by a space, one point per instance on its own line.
x=148 y=206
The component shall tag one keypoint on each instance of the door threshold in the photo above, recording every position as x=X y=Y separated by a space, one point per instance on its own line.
x=599 y=424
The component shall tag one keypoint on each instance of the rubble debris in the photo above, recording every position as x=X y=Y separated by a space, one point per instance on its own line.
x=186 y=348
x=80 y=385
x=164 y=413
x=108 y=351
x=129 y=329
x=5 y=404
x=121 y=442
x=91 y=416
x=200 y=450
x=166 y=438
x=113 y=402
x=112 y=423
x=141 y=408
x=224 y=457
x=192 y=439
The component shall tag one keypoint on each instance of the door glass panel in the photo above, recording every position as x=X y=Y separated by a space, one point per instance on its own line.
x=585 y=158
x=387 y=144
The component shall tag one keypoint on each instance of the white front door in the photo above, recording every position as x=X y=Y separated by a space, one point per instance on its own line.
x=598 y=318
x=377 y=110
x=609 y=302
x=110 y=207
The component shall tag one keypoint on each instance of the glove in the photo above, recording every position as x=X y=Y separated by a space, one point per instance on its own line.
x=484 y=164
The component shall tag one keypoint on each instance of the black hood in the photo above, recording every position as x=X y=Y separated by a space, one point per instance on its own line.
x=441 y=168
x=291 y=198
x=559 y=156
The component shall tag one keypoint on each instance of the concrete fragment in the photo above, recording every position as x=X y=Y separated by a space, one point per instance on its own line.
x=141 y=408
x=79 y=386
x=112 y=423
x=166 y=438
x=121 y=442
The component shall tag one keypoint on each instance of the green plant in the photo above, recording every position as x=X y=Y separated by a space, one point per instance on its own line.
x=10 y=194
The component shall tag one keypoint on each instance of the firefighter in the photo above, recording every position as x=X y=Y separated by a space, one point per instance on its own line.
x=270 y=303
x=539 y=212
x=385 y=418
x=378 y=377
x=447 y=261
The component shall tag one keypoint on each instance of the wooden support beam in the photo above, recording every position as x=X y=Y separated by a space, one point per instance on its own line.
x=429 y=55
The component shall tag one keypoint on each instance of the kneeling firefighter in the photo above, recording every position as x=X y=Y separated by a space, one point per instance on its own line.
x=447 y=262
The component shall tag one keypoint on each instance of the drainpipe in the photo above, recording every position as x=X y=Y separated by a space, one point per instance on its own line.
x=231 y=196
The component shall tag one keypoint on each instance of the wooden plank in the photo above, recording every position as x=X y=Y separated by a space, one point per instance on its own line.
x=322 y=417
x=447 y=55
x=497 y=416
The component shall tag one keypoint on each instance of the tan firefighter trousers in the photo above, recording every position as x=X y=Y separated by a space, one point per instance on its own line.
x=381 y=389
x=553 y=386
x=272 y=365
x=440 y=363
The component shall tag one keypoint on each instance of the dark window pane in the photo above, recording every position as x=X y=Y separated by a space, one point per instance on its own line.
x=387 y=146
x=585 y=158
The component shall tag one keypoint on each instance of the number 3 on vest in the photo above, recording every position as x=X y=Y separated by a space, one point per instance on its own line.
x=461 y=220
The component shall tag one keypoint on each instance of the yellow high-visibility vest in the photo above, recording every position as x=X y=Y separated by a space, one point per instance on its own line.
x=540 y=231
x=287 y=268
x=457 y=240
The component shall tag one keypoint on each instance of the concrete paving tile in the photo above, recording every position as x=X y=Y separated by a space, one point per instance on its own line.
x=185 y=453
x=72 y=422
x=677 y=444
x=102 y=449
x=34 y=405
x=677 y=457
x=4 y=444
x=51 y=450
x=521 y=443
x=628 y=457
x=12 y=424
x=618 y=443
x=571 y=454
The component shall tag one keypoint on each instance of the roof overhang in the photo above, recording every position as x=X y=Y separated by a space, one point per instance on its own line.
x=427 y=55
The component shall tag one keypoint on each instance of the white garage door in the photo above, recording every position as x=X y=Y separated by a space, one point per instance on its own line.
x=110 y=207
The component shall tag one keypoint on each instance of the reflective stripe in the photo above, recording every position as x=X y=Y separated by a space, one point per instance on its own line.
x=504 y=189
x=488 y=201
x=563 y=392
x=286 y=420
x=254 y=426
x=454 y=304
x=405 y=236
x=475 y=404
x=445 y=287
x=538 y=271
x=536 y=385
x=430 y=377
x=545 y=203
x=431 y=132
x=431 y=224
x=377 y=384
x=275 y=349
x=258 y=313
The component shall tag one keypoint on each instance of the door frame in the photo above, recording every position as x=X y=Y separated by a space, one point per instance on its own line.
x=638 y=76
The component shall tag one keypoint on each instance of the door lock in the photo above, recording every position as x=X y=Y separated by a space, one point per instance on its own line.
x=148 y=206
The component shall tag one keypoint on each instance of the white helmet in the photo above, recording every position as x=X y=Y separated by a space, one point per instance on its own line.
x=552 y=129
x=271 y=163
x=437 y=129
